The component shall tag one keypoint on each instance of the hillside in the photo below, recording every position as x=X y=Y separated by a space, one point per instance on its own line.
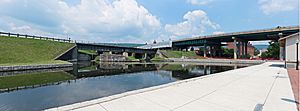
x=178 y=54
x=16 y=51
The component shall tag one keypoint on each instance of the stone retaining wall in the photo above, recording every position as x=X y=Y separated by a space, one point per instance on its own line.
x=33 y=67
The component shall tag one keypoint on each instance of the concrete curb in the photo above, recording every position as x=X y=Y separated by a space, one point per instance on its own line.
x=33 y=67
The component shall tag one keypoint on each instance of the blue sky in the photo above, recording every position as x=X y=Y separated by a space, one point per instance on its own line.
x=141 y=21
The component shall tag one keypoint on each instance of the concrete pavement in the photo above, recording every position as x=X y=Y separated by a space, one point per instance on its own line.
x=264 y=87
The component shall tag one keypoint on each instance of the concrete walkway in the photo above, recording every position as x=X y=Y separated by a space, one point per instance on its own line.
x=263 y=87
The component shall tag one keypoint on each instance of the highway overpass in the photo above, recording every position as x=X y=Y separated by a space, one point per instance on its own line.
x=239 y=38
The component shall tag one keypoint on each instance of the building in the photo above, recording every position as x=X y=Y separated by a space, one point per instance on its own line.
x=288 y=51
x=250 y=48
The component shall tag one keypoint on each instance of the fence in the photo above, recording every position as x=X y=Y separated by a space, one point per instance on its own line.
x=35 y=37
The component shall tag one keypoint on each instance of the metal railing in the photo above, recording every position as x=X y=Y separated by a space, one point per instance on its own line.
x=8 y=34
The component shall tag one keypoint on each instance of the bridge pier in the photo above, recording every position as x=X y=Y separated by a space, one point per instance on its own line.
x=234 y=48
x=125 y=54
x=246 y=48
x=204 y=53
x=243 y=49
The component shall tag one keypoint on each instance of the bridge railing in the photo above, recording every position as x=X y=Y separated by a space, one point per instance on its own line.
x=8 y=34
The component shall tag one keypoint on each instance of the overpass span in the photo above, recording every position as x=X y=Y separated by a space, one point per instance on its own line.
x=239 y=38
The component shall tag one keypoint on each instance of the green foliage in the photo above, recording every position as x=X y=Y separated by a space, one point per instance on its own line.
x=246 y=56
x=179 y=54
x=97 y=58
x=33 y=79
x=29 y=51
x=228 y=52
x=132 y=58
x=157 y=58
x=256 y=51
x=273 y=50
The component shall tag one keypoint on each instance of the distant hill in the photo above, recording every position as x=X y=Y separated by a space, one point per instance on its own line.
x=260 y=47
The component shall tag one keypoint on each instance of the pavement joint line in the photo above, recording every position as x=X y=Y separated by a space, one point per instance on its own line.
x=270 y=89
x=103 y=107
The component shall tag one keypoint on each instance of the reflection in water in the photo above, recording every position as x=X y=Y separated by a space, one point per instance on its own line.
x=100 y=80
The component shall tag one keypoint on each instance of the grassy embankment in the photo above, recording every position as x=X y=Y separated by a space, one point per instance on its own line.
x=22 y=51
x=179 y=54
x=33 y=79
x=176 y=54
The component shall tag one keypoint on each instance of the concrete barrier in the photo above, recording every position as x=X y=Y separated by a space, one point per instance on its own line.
x=33 y=67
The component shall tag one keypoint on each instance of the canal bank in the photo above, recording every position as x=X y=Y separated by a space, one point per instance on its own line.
x=261 y=87
x=34 y=67
x=224 y=61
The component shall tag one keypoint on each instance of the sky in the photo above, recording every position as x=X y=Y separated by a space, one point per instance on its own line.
x=141 y=21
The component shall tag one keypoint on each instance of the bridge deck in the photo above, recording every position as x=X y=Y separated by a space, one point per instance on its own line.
x=254 y=35
x=264 y=86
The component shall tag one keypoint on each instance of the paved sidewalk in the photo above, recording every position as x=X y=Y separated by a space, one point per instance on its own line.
x=262 y=87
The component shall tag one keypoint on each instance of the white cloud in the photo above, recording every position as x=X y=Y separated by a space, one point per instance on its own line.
x=199 y=2
x=90 y=19
x=218 y=32
x=195 y=23
x=276 y=6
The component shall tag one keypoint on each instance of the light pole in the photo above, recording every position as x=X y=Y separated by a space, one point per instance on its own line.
x=297 y=54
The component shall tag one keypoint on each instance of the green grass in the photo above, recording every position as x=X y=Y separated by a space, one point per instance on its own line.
x=179 y=54
x=33 y=79
x=132 y=58
x=89 y=52
x=15 y=51
x=157 y=58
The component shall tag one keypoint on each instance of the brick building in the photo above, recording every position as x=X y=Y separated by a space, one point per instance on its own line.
x=250 y=48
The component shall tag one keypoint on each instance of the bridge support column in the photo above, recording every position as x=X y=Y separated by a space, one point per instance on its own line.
x=234 y=48
x=145 y=56
x=204 y=51
x=125 y=54
x=243 y=49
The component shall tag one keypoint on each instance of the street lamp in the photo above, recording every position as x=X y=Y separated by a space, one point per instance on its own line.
x=297 y=54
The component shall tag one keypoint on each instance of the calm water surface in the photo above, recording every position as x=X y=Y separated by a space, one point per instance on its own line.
x=100 y=80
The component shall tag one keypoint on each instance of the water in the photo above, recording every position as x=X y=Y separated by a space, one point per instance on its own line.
x=101 y=80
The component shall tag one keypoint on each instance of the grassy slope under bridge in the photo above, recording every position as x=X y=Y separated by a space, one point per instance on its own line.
x=22 y=51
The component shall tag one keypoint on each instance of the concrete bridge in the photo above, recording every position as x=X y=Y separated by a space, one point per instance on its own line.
x=72 y=53
x=239 y=39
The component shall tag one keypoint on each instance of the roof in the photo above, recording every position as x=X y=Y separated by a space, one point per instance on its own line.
x=289 y=36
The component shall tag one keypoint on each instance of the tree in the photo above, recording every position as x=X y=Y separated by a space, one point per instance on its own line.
x=273 y=50
x=256 y=51
x=227 y=52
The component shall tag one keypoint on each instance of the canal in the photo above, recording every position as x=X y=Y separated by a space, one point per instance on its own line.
x=42 y=89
